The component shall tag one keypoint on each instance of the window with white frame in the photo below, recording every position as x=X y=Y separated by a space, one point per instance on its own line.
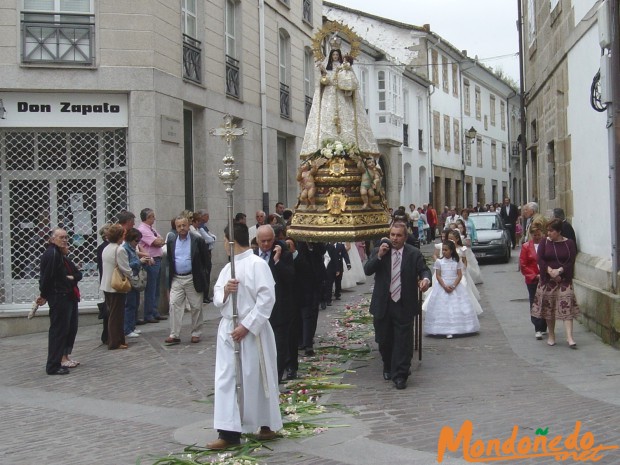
x=381 y=94
x=308 y=80
x=188 y=16
x=233 y=85
x=230 y=29
x=395 y=93
x=492 y=109
x=479 y=151
x=478 y=103
x=192 y=48
x=58 y=31
x=531 y=22
x=504 y=158
x=494 y=155
x=364 y=87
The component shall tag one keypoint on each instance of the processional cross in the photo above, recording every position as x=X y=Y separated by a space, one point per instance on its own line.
x=228 y=175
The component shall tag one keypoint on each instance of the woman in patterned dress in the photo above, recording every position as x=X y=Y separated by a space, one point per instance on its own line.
x=555 y=296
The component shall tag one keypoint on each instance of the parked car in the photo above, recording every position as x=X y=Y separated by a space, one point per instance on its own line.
x=493 y=237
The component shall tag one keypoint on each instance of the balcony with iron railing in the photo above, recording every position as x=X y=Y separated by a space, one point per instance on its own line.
x=307 y=11
x=285 y=101
x=52 y=38
x=232 y=77
x=192 y=62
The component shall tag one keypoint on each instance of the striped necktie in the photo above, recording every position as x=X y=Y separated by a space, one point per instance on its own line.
x=395 y=282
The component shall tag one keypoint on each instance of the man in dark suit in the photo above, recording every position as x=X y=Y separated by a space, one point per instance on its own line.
x=400 y=271
x=187 y=259
x=337 y=253
x=303 y=290
x=314 y=253
x=280 y=262
x=509 y=214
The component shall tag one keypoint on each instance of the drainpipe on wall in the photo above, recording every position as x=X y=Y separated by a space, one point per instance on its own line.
x=263 y=103
x=613 y=114
x=431 y=170
x=523 y=144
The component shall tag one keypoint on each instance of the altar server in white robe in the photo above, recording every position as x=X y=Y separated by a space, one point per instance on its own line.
x=255 y=290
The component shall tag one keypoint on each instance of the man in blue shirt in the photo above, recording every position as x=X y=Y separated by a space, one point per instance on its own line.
x=187 y=257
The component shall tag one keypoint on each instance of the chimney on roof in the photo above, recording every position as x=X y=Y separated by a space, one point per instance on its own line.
x=427 y=27
x=464 y=52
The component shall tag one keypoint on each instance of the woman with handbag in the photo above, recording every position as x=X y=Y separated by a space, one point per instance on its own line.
x=115 y=285
x=138 y=281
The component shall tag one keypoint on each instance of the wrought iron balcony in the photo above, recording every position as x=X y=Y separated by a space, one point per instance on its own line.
x=58 y=38
x=285 y=101
x=192 y=61
x=307 y=11
x=232 y=77
x=405 y=135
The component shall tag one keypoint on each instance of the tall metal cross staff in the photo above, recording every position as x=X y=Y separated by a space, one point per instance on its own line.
x=228 y=175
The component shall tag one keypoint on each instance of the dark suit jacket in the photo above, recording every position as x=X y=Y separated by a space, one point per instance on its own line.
x=199 y=252
x=284 y=275
x=413 y=268
x=509 y=218
x=337 y=253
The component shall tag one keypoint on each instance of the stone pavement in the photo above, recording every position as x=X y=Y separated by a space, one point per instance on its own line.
x=151 y=399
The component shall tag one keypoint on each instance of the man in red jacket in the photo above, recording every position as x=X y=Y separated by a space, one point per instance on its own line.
x=431 y=218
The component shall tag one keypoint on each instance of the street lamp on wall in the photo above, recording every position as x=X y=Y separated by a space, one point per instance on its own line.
x=470 y=134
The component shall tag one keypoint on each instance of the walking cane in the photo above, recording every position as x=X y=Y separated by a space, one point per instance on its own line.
x=228 y=175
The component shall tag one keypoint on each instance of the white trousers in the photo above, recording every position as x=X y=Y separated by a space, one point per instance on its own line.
x=182 y=289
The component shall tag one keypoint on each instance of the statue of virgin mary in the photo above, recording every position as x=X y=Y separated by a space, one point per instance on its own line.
x=337 y=112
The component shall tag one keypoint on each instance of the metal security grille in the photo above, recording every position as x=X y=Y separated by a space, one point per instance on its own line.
x=72 y=178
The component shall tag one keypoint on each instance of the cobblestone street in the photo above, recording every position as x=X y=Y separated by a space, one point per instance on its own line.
x=151 y=399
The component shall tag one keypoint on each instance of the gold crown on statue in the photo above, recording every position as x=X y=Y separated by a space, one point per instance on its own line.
x=335 y=42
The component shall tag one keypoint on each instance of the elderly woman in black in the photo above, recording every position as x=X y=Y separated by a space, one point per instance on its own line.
x=112 y=255
x=555 y=296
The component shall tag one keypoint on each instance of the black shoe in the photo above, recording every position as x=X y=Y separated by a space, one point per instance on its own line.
x=400 y=383
x=310 y=352
x=60 y=371
x=160 y=318
x=154 y=320
x=387 y=375
x=329 y=304
x=337 y=297
x=140 y=322
x=291 y=374
x=323 y=305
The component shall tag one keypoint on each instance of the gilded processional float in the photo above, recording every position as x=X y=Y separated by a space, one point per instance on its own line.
x=340 y=180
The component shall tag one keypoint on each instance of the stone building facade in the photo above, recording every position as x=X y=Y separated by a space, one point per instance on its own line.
x=568 y=149
x=107 y=106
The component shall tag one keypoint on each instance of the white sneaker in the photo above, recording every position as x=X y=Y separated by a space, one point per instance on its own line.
x=137 y=331
x=539 y=335
x=133 y=334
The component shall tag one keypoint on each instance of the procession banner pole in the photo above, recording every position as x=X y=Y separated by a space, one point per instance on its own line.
x=228 y=175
